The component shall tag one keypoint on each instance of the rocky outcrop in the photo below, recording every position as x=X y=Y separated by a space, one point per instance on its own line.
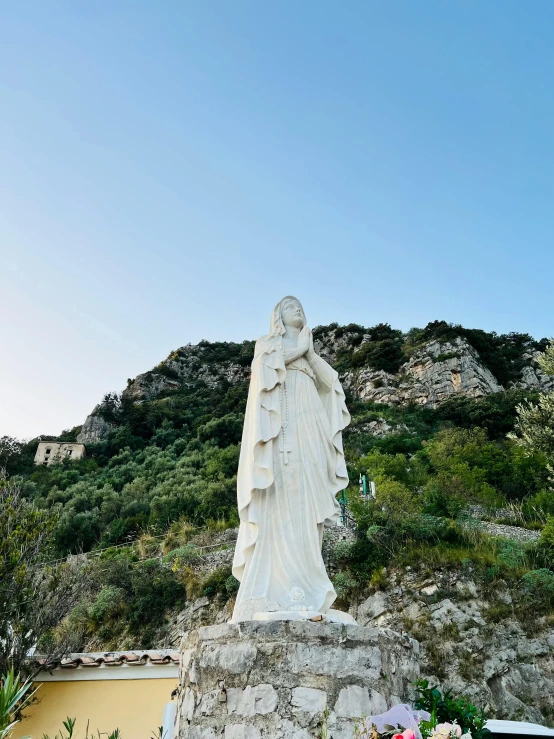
x=330 y=343
x=290 y=680
x=532 y=376
x=379 y=428
x=150 y=385
x=473 y=640
x=94 y=429
x=434 y=373
x=185 y=366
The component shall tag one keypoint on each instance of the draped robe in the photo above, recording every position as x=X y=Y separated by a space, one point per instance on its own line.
x=291 y=468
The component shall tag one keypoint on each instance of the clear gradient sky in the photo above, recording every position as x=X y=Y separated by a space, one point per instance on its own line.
x=169 y=170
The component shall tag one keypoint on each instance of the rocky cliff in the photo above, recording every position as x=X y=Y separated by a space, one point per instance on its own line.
x=476 y=639
x=426 y=373
x=433 y=374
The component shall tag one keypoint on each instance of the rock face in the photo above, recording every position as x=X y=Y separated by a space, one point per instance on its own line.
x=532 y=376
x=94 y=429
x=434 y=373
x=190 y=364
x=290 y=680
x=379 y=428
x=149 y=386
x=473 y=640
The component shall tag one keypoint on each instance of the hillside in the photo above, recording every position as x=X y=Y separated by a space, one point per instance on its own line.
x=430 y=412
x=168 y=445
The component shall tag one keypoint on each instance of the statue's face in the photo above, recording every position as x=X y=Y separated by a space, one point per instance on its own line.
x=292 y=314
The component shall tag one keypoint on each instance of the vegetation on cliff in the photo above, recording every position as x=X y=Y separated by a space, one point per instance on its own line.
x=172 y=457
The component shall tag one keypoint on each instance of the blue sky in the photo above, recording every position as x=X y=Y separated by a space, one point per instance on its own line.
x=169 y=170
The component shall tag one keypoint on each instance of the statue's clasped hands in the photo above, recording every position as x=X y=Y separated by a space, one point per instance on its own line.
x=306 y=343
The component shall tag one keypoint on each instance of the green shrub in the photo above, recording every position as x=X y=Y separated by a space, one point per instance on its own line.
x=446 y=356
x=179 y=558
x=540 y=505
x=342 y=550
x=511 y=554
x=397 y=500
x=109 y=603
x=364 y=558
x=444 y=496
x=155 y=589
x=539 y=585
x=344 y=583
x=426 y=528
x=232 y=585
x=224 y=431
x=444 y=708
x=547 y=534
x=216 y=583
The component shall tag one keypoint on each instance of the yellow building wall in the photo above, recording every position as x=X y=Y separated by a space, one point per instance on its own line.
x=134 y=706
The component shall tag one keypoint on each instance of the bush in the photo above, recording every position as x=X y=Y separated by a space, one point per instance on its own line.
x=216 y=583
x=382 y=350
x=181 y=557
x=424 y=527
x=344 y=583
x=155 y=590
x=109 y=603
x=539 y=505
x=444 y=496
x=364 y=558
x=232 y=585
x=224 y=431
x=398 y=502
x=342 y=550
x=511 y=554
x=445 y=708
x=539 y=586
x=547 y=534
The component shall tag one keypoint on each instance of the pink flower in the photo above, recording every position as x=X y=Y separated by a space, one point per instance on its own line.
x=408 y=734
x=397 y=736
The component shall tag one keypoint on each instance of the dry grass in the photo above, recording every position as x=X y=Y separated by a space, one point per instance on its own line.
x=147 y=545
x=179 y=533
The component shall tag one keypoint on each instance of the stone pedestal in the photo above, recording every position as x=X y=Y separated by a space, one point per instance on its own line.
x=290 y=679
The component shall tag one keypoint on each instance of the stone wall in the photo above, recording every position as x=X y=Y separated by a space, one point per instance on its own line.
x=290 y=680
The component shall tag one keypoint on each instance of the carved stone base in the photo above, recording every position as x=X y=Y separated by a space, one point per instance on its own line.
x=290 y=679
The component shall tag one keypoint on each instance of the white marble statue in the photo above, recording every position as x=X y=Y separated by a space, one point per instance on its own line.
x=290 y=470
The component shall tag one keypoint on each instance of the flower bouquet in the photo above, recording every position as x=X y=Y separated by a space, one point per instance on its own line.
x=436 y=716
x=388 y=726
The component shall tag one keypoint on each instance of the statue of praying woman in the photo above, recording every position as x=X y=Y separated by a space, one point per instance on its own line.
x=291 y=468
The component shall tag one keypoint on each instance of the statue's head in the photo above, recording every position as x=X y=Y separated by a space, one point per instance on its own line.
x=287 y=312
x=292 y=313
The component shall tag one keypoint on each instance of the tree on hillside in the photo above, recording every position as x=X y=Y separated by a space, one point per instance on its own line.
x=34 y=597
x=534 y=428
x=10 y=448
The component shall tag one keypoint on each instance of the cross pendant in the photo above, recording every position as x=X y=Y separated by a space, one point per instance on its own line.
x=285 y=451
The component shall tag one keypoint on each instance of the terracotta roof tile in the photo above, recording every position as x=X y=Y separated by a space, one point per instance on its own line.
x=112 y=659
x=89 y=662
